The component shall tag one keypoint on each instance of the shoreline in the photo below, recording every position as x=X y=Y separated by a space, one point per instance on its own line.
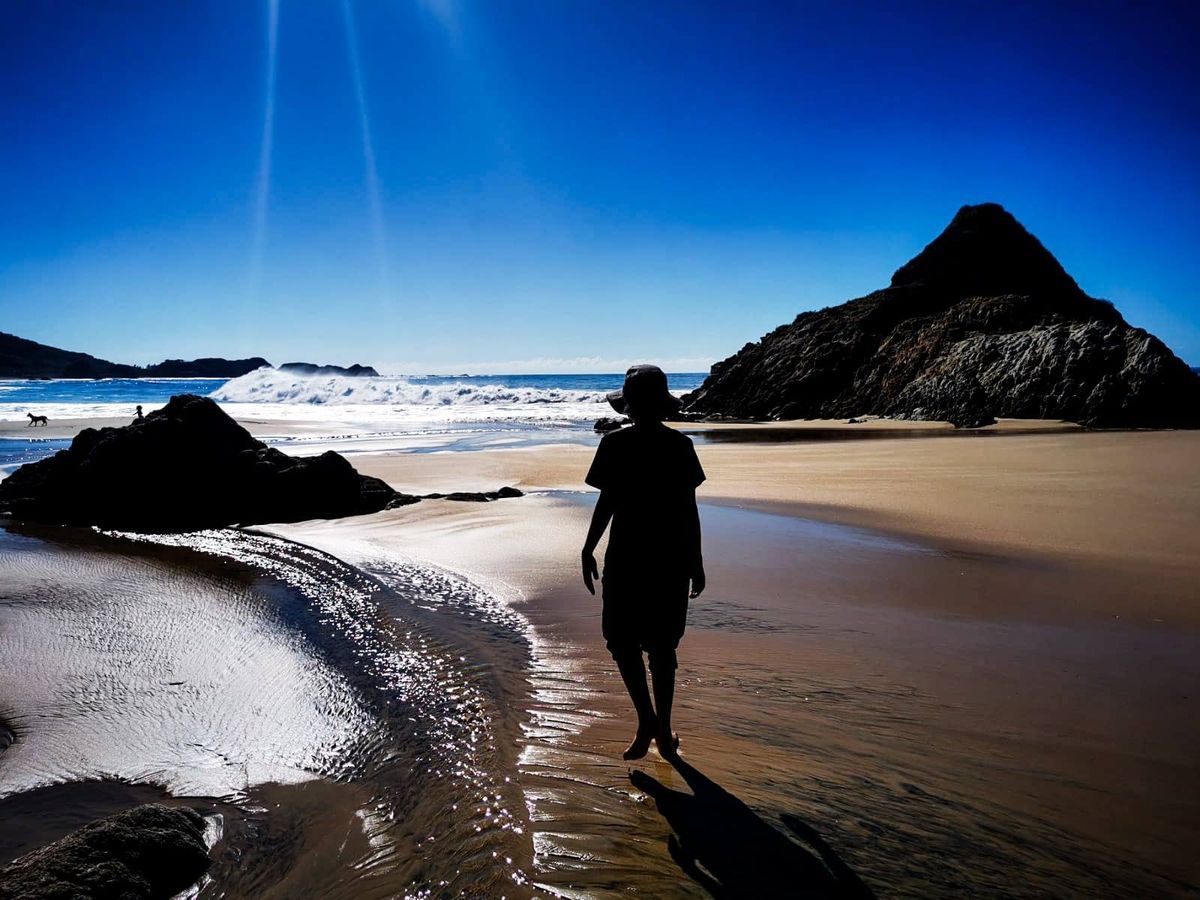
x=1126 y=502
x=954 y=651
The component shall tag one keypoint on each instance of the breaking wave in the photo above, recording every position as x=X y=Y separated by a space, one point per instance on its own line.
x=273 y=386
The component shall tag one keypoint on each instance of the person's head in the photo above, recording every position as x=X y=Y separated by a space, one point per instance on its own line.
x=644 y=397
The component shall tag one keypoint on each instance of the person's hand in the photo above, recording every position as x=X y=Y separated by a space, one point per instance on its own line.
x=590 y=572
x=698 y=582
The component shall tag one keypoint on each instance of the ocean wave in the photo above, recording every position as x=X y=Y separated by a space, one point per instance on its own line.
x=273 y=386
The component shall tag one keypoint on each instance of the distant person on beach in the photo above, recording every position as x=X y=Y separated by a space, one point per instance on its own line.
x=647 y=475
x=139 y=414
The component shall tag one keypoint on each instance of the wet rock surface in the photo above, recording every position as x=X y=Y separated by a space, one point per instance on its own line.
x=605 y=424
x=145 y=853
x=983 y=323
x=503 y=493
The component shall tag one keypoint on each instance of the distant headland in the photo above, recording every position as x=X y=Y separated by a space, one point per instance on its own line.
x=354 y=371
x=21 y=358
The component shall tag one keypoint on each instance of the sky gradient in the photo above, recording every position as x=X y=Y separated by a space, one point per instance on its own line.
x=445 y=186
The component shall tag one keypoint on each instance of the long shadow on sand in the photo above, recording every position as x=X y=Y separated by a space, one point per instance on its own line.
x=732 y=852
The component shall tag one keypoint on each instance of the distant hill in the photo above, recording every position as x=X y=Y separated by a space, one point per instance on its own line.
x=354 y=371
x=982 y=323
x=21 y=358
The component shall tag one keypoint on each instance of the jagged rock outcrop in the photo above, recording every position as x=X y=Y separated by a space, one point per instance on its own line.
x=151 y=852
x=983 y=323
x=184 y=467
x=354 y=371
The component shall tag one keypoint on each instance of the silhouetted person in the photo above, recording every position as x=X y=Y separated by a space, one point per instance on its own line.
x=139 y=414
x=647 y=475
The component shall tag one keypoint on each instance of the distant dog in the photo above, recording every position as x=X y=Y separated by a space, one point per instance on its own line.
x=37 y=420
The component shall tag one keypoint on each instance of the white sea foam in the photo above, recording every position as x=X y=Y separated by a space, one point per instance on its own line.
x=273 y=386
x=404 y=404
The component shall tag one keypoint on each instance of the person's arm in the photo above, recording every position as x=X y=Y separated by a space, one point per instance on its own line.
x=695 y=554
x=601 y=516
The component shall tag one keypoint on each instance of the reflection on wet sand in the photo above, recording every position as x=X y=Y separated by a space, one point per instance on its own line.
x=214 y=677
x=942 y=719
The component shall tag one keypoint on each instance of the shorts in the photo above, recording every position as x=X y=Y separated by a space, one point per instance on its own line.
x=640 y=615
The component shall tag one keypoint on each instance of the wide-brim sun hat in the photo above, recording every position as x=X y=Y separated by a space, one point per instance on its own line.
x=646 y=388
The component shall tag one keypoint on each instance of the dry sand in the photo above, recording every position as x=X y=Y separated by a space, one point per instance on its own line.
x=1122 y=501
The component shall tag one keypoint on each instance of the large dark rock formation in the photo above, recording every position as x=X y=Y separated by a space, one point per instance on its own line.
x=21 y=358
x=151 y=852
x=189 y=466
x=983 y=323
x=303 y=368
x=184 y=467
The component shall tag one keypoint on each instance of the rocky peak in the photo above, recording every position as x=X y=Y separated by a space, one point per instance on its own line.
x=986 y=252
x=982 y=323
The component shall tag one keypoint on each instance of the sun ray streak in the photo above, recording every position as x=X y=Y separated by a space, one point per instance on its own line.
x=374 y=191
x=265 y=150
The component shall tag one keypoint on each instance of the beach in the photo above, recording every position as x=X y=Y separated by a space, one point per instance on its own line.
x=381 y=384
x=980 y=645
x=961 y=663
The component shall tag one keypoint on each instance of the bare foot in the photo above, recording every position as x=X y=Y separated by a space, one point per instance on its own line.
x=640 y=745
x=668 y=745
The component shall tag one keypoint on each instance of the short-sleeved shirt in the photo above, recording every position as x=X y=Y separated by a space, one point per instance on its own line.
x=651 y=473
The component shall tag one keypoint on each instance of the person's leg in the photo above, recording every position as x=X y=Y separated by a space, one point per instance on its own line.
x=633 y=673
x=620 y=636
x=662 y=669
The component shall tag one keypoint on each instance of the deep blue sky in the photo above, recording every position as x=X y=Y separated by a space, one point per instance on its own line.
x=569 y=186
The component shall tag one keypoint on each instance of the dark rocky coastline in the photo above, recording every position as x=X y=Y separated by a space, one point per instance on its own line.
x=21 y=358
x=983 y=323
x=151 y=852
x=190 y=466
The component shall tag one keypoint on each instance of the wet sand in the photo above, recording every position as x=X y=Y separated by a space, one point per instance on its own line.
x=998 y=677
x=340 y=722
